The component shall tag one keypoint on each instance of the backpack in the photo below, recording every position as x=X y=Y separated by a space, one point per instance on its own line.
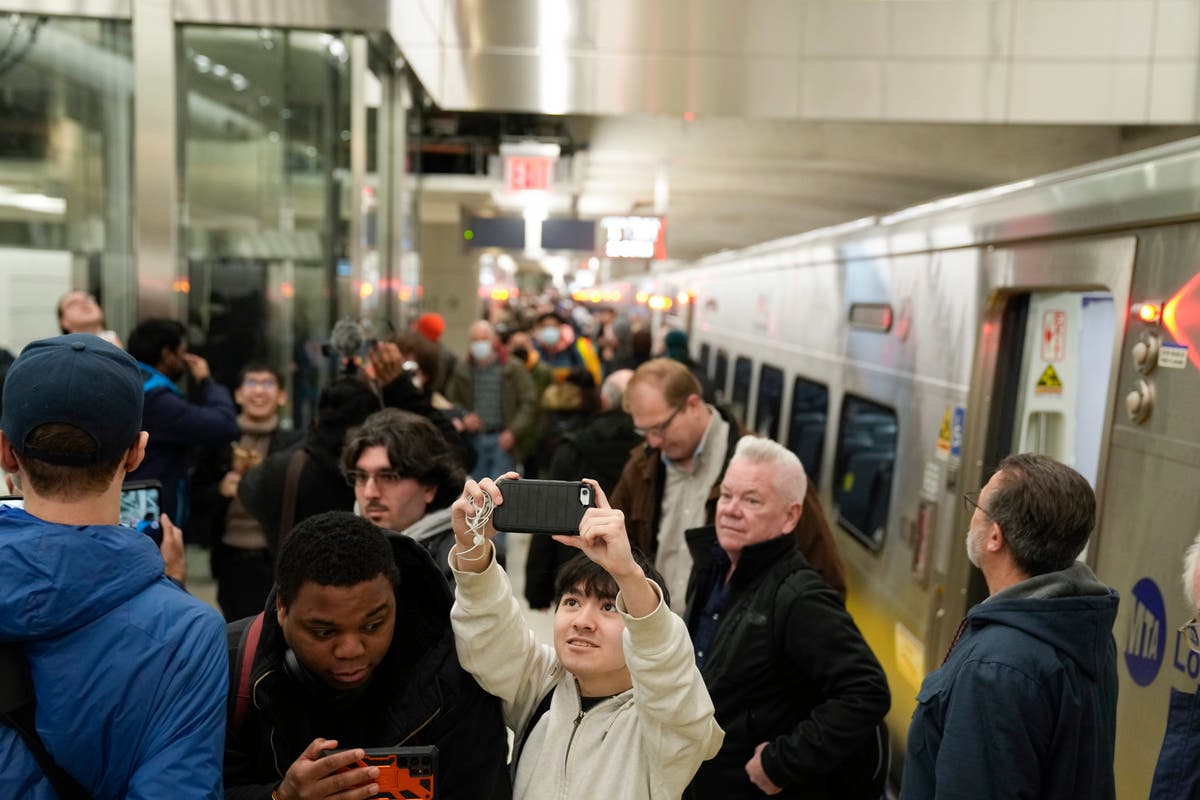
x=17 y=706
x=244 y=658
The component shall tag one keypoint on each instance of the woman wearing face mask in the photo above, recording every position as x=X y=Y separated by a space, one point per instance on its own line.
x=562 y=350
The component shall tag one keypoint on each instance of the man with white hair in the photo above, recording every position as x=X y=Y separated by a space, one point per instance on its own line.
x=499 y=397
x=798 y=691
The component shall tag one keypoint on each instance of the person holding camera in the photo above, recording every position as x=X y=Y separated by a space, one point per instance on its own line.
x=617 y=707
x=354 y=651
x=126 y=670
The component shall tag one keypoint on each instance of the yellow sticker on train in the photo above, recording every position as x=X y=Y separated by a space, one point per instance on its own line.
x=1049 y=383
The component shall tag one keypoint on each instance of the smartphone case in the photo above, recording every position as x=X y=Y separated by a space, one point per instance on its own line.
x=549 y=507
x=404 y=772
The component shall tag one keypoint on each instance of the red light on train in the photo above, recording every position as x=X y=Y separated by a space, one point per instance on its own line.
x=1147 y=312
x=1181 y=317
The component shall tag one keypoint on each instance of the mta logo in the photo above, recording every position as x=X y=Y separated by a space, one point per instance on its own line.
x=1146 y=639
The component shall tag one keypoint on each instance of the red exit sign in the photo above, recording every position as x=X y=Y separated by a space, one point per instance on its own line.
x=528 y=173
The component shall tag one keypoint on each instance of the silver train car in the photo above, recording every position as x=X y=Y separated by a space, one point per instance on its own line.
x=901 y=357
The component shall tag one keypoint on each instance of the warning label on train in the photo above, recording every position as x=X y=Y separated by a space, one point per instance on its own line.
x=1172 y=356
x=1054 y=335
x=1049 y=383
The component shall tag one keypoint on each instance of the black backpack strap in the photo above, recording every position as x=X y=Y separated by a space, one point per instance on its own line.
x=519 y=745
x=17 y=705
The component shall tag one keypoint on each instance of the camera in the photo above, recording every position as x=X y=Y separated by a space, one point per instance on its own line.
x=349 y=342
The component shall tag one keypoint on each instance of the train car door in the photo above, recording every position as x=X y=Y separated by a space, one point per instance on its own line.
x=1044 y=375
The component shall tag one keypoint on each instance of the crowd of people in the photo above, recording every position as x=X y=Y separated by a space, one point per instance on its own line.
x=701 y=643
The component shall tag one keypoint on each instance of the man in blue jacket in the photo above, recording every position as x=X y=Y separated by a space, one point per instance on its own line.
x=1025 y=703
x=177 y=423
x=128 y=671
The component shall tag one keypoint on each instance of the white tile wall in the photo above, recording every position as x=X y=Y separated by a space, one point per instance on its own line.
x=846 y=28
x=936 y=28
x=1173 y=87
x=1097 y=91
x=841 y=89
x=956 y=90
x=1177 y=29
x=1066 y=29
x=1040 y=61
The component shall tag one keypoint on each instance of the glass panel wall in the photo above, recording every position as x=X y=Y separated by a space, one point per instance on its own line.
x=66 y=143
x=265 y=176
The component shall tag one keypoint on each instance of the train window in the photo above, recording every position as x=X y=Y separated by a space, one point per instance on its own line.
x=705 y=358
x=743 y=371
x=862 y=468
x=871 y=317
x=806 y=433
x=720 y=375
x=770 y=400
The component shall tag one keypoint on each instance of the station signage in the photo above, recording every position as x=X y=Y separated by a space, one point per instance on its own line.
x=635 y=237
x=529 y=167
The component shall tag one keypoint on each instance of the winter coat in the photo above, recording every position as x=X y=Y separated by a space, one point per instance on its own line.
x=175 y=426
x=786 y=666
x=645 y=742
x=519 y=405
x=419 y=696
x=1025 y=704
x=128 y=669
x=320 y=487
x=639 y=494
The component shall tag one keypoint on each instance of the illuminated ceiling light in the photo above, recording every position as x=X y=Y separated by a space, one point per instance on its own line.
x=365 y=290
x=239 y=82
x=220 y=70
x=203 y=63
x=642 y=297
x=500 y=295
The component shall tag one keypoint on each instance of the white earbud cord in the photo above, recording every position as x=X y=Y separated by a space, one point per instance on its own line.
x=475 y=524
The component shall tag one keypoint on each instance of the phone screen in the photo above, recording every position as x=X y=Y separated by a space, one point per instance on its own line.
x=140 y=507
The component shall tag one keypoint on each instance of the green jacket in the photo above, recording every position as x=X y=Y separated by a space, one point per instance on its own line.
x=517 y=395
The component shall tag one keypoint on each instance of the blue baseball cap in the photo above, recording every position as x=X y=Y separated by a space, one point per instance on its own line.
x=78 y=380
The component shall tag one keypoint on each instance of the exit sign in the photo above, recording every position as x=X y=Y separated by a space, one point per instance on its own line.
x=528 y=173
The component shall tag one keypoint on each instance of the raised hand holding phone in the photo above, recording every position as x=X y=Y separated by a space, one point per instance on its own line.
x=603 y=539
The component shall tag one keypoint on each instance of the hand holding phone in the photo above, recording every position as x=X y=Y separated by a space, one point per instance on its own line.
x=318 y=774
x=403 y=771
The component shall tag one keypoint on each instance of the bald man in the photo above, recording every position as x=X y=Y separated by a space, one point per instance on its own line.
x=500 y=399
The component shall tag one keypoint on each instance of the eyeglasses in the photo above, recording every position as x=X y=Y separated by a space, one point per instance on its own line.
x=971 y=502
x=384 y=477
x=1191 y=634
x=660 y=428
x=265 y=383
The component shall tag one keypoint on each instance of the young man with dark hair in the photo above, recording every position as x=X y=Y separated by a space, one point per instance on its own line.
x=241 y=557
x=176 y=423
x=356 y=653
x=127 y=670
x=1025 y=702
x=405 y=477
x=616 y=708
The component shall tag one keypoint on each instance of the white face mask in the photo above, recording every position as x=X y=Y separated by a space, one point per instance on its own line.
x=549 y=336
x=481 y=351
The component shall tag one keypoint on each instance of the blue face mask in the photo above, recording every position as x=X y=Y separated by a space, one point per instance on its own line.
x=549 y=336
x=481 y=351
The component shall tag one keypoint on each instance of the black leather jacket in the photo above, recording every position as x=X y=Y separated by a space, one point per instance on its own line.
x=420 y=696
x=786 y=666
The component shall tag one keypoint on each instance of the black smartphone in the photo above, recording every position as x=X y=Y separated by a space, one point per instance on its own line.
x=532 y=506
x=141 y=504
x=404 y=772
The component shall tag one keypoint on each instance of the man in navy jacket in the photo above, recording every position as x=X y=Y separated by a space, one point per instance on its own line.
x=176 y=423
x=1025 y=703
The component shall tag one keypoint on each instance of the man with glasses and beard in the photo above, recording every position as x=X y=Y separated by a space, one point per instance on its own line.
x=1025 y=702
x=671 y=482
